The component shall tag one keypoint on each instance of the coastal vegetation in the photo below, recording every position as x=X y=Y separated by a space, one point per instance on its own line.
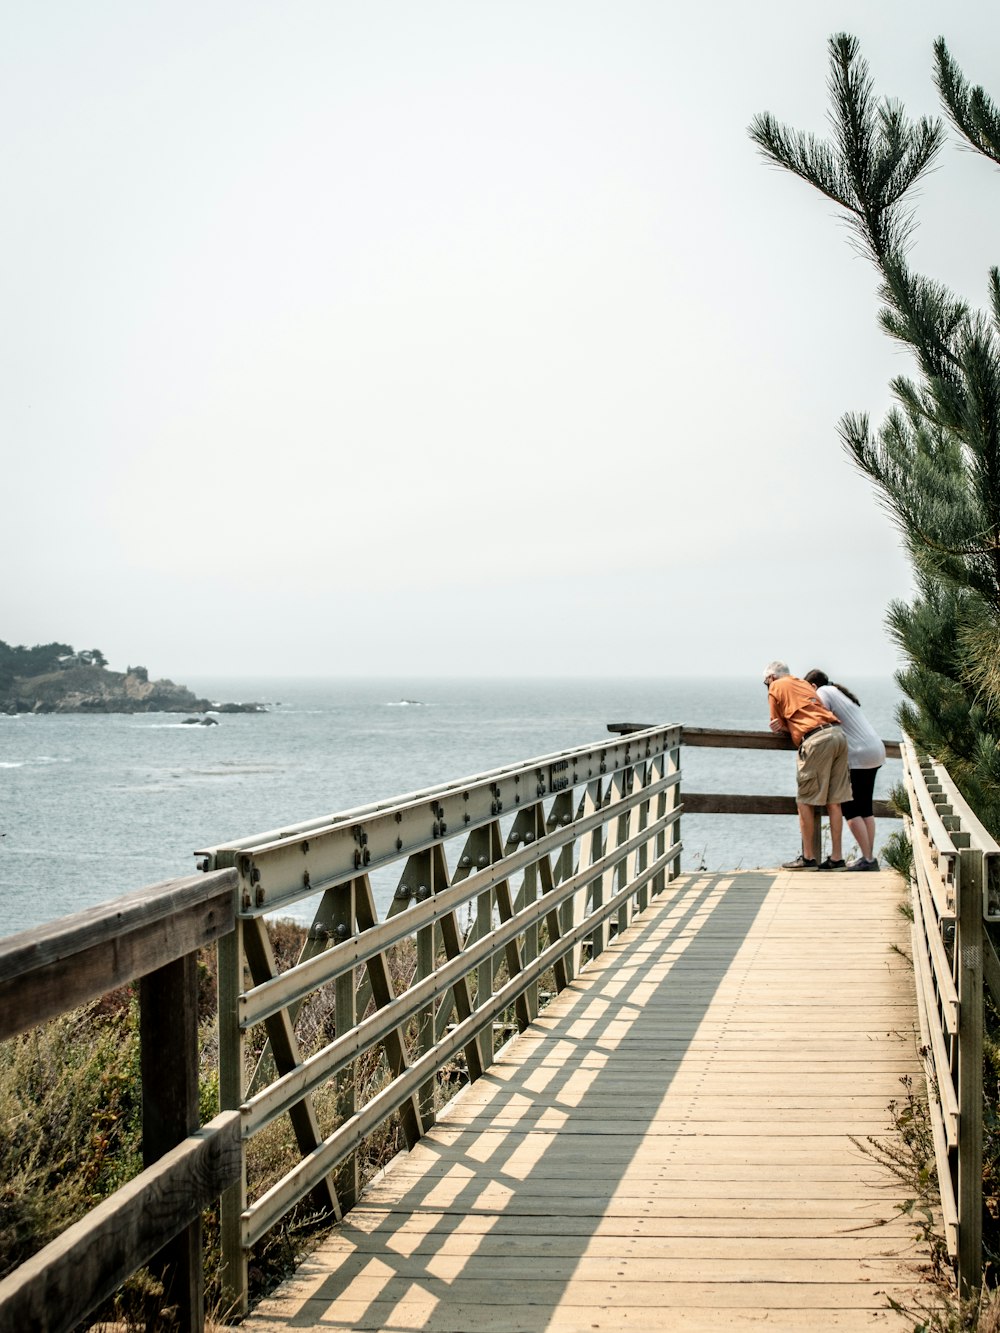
x=935 y=464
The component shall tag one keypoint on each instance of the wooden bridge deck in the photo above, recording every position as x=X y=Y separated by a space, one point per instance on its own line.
x=671 y=1146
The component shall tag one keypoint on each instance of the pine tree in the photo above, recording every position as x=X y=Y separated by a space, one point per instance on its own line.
x=935 y=460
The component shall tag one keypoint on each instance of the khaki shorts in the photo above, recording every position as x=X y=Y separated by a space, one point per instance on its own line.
x=824 y=777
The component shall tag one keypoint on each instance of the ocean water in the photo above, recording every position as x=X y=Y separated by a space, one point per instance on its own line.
x=94 y=807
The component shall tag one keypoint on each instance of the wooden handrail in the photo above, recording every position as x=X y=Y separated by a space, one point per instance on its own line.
x=53 y=968
x=727 y=739
x=953 y=959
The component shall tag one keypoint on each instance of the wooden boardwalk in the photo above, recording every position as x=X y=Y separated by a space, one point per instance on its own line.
x=670 y=1147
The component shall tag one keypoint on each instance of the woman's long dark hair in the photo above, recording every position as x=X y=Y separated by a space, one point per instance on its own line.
x=821 y=678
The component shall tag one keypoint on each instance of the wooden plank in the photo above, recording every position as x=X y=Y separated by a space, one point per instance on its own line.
x=431 y=1315
x=354 y=1272
x=493 y=1295
x=407 y=1225
x=52 y=1291
x=519 y=1244
x=723 y=1197
x=45 y=971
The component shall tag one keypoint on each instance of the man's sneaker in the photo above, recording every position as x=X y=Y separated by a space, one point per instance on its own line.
x=800 y=863
x=870 y=865
x=831 y=864
x=859 y=863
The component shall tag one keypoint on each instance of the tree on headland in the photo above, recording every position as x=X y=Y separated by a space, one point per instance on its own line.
x=935 y=459
x=17 y=660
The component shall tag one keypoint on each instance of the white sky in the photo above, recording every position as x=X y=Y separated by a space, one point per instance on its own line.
x=449 y=337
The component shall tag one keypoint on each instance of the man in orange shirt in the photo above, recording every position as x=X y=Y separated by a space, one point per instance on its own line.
x=823 y=774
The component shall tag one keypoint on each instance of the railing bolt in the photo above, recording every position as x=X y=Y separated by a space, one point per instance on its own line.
x=403 y=893
x=422 y=893
x=342 y=931
x=260 y=896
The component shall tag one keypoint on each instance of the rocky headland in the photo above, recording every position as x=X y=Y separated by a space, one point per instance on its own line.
x=87 y=688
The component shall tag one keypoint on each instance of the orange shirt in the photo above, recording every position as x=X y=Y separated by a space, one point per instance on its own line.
x=794 y=702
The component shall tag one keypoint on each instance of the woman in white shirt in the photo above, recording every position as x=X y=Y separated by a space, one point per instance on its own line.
x=865 y=755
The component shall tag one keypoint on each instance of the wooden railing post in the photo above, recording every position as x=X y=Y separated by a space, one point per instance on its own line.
x=969 y=982
x=168 y=1031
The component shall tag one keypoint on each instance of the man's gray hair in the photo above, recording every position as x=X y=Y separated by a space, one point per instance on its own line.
x=776 y=669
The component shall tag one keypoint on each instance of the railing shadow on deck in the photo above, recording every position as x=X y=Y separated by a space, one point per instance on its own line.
x=602 y=1118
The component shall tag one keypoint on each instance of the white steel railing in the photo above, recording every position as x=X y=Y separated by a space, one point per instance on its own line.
x=501 y=885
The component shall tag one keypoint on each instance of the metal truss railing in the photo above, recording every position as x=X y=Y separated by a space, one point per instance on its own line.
x=502 y=885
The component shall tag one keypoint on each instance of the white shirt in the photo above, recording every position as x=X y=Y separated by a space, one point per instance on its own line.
x=864 y=745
